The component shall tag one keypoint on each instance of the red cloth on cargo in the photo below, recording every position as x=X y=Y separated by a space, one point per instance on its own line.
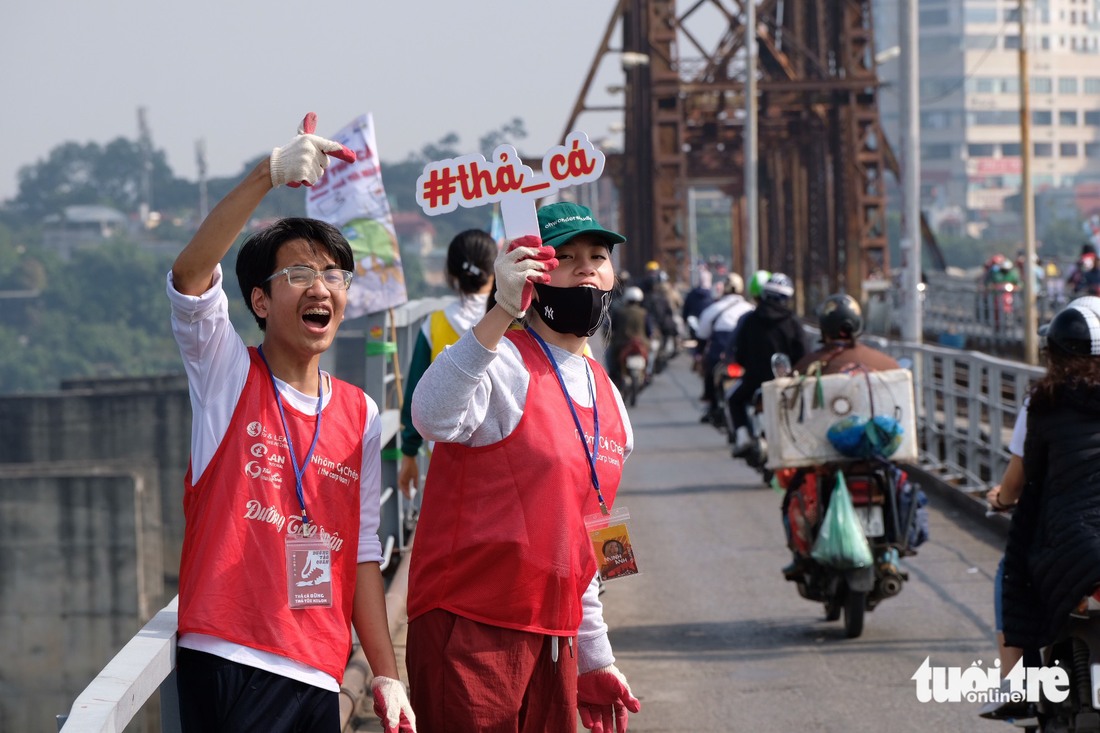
x=233 y=581
x=501 y=536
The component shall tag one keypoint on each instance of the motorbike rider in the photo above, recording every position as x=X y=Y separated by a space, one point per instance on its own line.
x=697 y=300
x=771 y=328
x=1000 y=271
x=1003 y=498
x=1085 y=278
x=718 y=325
x=657 y=302
x=1052 y=559
x=630 y=323
x=841 y=322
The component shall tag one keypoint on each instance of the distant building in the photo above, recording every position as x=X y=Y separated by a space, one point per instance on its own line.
x=80 y=227
x=969 y=96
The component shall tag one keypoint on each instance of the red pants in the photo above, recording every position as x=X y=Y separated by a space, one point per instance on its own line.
x=469 y=676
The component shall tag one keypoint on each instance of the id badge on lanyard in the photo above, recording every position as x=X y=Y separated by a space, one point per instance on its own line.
x=610 y=537
x=308 y=557
x=608 y=530
x=308 y=572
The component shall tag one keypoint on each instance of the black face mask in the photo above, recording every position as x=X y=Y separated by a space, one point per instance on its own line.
x=576 y=311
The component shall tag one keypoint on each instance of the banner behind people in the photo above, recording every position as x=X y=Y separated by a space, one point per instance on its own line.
x=351 y=196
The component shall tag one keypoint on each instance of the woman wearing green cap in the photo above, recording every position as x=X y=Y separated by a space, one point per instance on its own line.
x=506 y=629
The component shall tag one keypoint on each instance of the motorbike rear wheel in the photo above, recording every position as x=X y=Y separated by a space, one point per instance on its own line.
x=854 y=606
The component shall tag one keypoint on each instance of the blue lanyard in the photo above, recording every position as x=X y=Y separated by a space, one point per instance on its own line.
x=289 y=443
x=593 y=454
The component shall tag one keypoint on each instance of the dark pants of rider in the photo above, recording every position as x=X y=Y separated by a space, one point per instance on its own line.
x=220 y=696
x=739 y=403
x=469 y=677
x=709 y=390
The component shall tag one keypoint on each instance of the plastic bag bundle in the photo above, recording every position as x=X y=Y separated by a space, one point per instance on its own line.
x=841 y=543
x=857 y=437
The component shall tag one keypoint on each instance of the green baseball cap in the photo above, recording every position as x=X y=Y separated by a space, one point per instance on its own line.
x=560 y=222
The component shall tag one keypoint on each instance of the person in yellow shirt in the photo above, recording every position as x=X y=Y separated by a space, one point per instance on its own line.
x=470 y=259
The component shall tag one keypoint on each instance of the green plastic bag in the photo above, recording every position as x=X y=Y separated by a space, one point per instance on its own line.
x=841 y=543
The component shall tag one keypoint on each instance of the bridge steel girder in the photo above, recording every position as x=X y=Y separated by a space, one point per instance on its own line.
x=821 y=200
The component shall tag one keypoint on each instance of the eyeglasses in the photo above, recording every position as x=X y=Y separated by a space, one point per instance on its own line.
x=304 y=277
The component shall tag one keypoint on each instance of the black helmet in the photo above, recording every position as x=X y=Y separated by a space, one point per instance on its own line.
x=1076 y=328
x=840 y=317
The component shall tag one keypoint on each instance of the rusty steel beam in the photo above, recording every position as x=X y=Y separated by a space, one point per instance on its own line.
x=823 y=155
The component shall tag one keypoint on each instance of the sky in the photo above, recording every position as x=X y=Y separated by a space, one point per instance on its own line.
x=241 y=74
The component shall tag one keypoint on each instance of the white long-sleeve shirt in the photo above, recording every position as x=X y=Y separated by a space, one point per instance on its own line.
x=217 y=362
x=474 y=396
x=722 y=315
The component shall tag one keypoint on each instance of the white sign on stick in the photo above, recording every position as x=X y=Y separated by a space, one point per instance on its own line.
x=470 y=181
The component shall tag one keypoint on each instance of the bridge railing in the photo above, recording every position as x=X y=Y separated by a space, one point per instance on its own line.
x=978 y=317
x=967 y=403
x=147 y=662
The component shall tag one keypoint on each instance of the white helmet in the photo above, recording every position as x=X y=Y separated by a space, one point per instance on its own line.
x=735 y=284
x=633 y=294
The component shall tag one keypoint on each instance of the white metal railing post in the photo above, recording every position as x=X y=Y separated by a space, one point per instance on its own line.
x=996 y=423
x=976 y=403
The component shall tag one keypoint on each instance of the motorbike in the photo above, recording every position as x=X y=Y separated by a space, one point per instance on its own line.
x=728 y=376
x=633 y=358
x=889 y=510
x=888 y=518
x=1076 y=651
x=999 y=302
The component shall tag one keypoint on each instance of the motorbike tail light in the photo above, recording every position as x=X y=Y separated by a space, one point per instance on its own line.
x=734 y=371
x=860 y=489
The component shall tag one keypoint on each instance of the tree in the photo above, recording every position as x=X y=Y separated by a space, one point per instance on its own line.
x=509 y=132
x=92 y=174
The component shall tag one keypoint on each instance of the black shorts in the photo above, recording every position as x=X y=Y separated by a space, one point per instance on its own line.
x=219 y=695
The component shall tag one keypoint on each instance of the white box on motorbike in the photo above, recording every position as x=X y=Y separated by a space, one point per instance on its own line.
x=796 y=430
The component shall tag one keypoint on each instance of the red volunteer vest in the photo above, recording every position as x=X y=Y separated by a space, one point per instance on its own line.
x=501 y=537
x=233 y=581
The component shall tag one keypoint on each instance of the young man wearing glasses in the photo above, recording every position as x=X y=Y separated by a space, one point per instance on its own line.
x=281 y=552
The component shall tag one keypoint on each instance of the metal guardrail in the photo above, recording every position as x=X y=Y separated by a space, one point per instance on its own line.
x=147 y=662
x=963 y=311
x=967 y=403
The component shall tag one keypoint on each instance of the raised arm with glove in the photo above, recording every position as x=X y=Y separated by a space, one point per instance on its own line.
x=303 y=160
x=524 y=263
x=518 y=267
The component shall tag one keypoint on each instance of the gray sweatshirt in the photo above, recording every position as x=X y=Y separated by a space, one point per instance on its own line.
x=474 y=396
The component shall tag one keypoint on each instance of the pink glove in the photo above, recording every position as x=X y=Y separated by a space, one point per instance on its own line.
x=308 y=127
x=391 y=705
x=602 y=694
x=517 y=272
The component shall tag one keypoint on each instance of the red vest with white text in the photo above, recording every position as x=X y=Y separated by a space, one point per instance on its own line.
x=501 y=537
x=233 y=581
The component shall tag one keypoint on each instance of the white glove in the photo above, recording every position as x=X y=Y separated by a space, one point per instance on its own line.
x=391 y=705
x=522 y=263
x=303 y=160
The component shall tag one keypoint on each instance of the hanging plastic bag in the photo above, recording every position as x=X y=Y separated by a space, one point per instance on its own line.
x=841 y=543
